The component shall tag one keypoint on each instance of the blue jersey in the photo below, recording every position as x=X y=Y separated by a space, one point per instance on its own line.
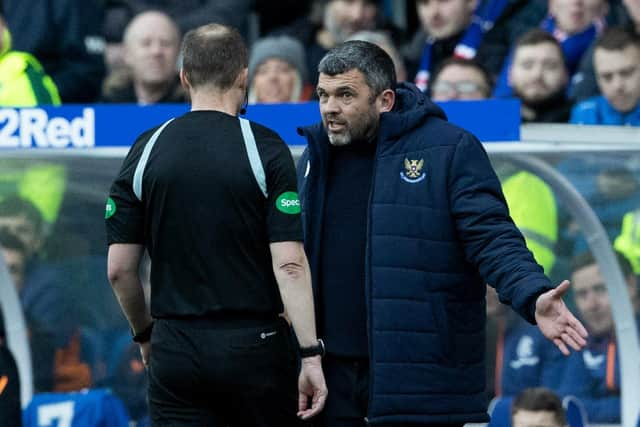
x=87 y=408
x=593 y=375
x=529 y=360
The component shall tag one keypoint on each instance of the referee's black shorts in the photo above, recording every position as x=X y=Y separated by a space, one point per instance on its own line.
x=207 y=373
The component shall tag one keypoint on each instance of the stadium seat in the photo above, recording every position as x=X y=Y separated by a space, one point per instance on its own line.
x=500 y=412
x=575 y=412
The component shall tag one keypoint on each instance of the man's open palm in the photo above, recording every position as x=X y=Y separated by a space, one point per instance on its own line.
x=557 y=323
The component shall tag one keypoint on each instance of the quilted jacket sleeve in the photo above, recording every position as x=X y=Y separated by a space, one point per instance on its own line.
x=490 y=239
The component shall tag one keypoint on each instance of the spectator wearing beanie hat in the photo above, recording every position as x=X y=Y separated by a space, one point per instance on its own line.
x=277 y=71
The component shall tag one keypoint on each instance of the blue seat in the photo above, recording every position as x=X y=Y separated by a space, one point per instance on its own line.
x=574 y=411
x=500 y=412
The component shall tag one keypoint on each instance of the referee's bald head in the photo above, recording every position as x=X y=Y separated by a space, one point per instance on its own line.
x=213 y=55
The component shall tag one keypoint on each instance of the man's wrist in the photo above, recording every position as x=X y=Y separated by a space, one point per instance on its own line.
x=144 y=335
x=312 y=351
x=311 y=361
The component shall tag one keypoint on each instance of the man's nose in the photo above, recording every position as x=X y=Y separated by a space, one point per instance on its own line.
x=332 y=105
x=156 y=48
x=618 y=82
x=537 y=71
x=433 y=10
x=272 y=74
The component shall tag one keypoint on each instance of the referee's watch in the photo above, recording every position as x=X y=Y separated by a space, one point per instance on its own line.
x=144 y=335
x=314 y=350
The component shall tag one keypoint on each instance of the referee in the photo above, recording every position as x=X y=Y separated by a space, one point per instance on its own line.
x=212 y=198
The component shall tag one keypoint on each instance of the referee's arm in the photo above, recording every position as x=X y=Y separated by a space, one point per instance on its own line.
x=292 y=273
x=123 y=262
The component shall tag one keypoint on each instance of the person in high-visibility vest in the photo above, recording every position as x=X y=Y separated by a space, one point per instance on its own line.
x=23 y=81
x=628 y=244
x=534 y=210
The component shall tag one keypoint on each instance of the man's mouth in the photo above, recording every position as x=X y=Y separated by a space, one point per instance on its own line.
x=335 y=126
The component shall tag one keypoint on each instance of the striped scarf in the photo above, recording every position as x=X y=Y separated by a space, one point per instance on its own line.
x=483 y=20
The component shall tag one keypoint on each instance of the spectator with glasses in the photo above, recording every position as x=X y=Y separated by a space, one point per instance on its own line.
x=460 y=79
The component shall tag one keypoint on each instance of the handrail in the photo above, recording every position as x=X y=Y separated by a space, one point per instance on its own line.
x=16 y=330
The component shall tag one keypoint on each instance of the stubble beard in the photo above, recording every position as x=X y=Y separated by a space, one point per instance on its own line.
x=363 y=129
x=340 y=139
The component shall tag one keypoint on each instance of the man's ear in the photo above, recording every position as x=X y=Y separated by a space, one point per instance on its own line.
x=242 y=81
x=387 y=100
x=183 y=80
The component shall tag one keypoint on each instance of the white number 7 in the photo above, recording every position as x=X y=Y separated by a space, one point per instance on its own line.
x=61 y=412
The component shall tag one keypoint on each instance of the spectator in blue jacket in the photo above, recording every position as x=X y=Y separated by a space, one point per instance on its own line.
x=404 y=224
x=523 y=357
x=575 y=25
x=616 y=60
x=593 y=375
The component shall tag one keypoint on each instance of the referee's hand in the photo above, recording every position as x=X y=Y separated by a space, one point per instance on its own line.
x=311 y=387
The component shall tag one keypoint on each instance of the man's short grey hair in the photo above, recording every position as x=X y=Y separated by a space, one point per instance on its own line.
x=368 y=58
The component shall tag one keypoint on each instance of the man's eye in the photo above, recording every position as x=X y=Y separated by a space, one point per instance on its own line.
x=627 y=72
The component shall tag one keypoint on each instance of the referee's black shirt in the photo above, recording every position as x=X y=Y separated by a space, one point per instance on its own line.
x=203 y=217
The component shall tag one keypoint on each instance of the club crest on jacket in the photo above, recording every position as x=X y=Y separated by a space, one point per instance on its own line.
x=413 y=172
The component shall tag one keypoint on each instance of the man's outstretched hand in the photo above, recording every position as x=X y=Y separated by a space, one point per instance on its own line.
x=557 y=323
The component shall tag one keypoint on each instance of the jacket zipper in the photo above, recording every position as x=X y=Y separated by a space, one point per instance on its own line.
x=367 y=278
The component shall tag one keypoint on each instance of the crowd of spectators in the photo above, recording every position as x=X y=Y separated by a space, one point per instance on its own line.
x=574 y=61
x=566 y=60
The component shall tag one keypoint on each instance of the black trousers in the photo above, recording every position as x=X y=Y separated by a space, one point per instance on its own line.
x=348 y=383
x=210 y=374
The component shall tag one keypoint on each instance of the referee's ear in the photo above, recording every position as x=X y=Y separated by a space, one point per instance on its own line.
x=243 y=79
x=184 y=81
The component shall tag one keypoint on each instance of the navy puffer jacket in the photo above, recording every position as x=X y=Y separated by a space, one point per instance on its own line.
x=438 y=230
